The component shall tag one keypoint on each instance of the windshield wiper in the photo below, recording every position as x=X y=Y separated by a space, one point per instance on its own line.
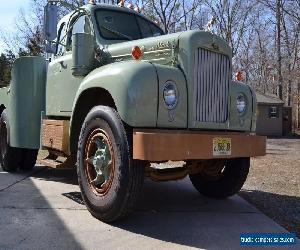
x=121 y=35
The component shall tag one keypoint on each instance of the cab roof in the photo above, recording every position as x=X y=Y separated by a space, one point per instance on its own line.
x=92 y=7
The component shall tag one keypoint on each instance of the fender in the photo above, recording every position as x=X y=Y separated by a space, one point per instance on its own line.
x=241 y=122
x=25 y=100
x=254 y=109
x=133 y=87
x=4 y=97
x=177 y=117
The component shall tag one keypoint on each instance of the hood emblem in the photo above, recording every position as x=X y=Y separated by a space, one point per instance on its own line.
x=161 y=46
x=209 y=26
x=215 y=46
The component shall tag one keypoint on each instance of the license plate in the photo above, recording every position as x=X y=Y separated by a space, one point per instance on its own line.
x=221 y=146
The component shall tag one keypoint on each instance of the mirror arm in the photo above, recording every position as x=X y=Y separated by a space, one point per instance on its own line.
x=59 y=43
x=78 y=10
x=63 y=3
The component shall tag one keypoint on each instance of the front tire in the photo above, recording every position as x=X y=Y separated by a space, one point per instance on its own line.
x=224 y=180
x=109 y=179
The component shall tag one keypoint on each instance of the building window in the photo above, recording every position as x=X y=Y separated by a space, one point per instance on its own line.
x=273 y=112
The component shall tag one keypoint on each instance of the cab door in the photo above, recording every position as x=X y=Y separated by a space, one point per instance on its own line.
x=61 y=84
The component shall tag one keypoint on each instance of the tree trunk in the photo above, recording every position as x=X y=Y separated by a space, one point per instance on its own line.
x=279 y=57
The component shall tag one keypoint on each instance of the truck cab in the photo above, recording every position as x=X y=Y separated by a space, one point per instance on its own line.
x=116 y=95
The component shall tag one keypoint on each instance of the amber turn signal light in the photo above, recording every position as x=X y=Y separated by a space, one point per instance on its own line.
x=238 y=76
x=136 y=52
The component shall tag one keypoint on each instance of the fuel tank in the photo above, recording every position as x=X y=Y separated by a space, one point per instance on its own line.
x=27 y=101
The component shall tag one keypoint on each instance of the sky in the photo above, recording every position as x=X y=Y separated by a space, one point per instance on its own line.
x=9 y=10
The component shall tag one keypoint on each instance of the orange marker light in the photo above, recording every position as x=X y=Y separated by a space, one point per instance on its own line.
x=121 y=3
x=238 y=76
x=136 y=52
x=130 y=6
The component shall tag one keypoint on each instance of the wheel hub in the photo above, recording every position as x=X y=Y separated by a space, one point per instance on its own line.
x=101 y=161
x=99 y=164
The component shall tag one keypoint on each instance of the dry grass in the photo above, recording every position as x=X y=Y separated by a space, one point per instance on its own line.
x=273 y=184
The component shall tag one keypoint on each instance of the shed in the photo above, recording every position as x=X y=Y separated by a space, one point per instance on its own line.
x=269 y=115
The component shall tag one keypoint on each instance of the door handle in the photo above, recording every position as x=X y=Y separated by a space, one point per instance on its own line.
x=62 y=65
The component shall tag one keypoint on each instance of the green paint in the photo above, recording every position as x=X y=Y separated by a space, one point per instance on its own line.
x=176 y=118
x=27 y=100
x=136 y=86
x=4 y=96
x=133 y=86
x=240 y=122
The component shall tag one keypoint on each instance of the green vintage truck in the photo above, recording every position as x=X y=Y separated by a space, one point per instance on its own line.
x=117 y=94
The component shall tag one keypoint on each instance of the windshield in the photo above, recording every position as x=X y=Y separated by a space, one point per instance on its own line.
x=118 y=25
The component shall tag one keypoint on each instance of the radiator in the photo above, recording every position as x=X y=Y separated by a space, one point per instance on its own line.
x=212 y=74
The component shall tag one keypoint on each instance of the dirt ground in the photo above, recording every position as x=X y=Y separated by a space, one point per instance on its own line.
x=273 y=184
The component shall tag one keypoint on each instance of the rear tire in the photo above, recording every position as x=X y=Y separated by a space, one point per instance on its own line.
x=109 y=179
x=29 y=159
x=228 y=182
x=10 y=158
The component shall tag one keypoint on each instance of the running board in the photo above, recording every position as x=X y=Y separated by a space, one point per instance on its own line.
x=53 y=162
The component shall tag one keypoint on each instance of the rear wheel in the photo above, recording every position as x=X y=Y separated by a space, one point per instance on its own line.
x=223 y=179
x=29 y=157
x=10 y=157
x=110 y=180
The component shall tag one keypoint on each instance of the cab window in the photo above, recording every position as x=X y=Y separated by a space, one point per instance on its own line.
x=81 y=25
x=145 y=28
x=119 y=25
x=155 y=30
x=61 y=39
x=116 y=25
x=148 y=29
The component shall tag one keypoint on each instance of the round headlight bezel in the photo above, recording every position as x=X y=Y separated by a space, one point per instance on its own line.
x=240 y=99
x=169 y=103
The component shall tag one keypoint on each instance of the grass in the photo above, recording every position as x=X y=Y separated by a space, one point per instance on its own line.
x=273 y=184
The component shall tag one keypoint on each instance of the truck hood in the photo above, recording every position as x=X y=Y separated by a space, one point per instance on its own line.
x=169 y=49
x=154 y=49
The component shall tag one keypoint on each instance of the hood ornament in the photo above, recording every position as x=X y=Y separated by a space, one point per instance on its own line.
x=210 y=24
x=121 y=3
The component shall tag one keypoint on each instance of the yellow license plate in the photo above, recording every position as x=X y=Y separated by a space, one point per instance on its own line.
x=221 y=146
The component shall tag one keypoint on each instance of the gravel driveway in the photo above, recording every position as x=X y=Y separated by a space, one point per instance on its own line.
x=273 y=184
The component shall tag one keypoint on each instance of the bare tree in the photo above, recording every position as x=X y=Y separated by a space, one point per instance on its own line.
x=263 y=34
x=287 y=22
x=173 y=15
x=278 y=42
x=28 y=33
x=233 y=18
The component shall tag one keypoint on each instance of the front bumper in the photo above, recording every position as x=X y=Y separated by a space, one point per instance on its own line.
x=176 y=145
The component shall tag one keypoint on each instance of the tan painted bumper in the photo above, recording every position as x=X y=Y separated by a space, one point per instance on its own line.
x=176 y=145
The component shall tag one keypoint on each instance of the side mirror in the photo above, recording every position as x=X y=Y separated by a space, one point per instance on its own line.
x=50 y=21
x=83 y=51
x=50 y=47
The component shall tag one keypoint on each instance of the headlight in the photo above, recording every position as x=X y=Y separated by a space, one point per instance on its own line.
x=170 y=94
x=241 y=103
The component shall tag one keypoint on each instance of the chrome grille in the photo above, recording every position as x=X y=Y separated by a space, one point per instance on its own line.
x=212 y=74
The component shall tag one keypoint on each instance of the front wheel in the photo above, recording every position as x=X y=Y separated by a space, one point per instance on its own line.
x=109 y=179
x=223 y=179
